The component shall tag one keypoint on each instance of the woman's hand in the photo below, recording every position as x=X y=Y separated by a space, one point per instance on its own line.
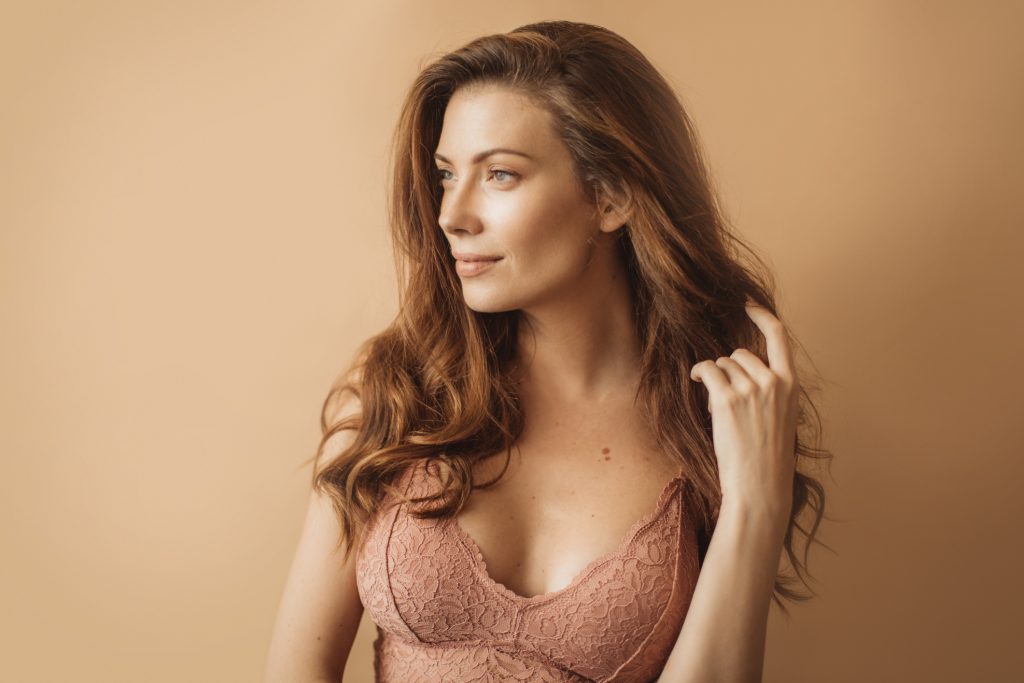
x=753 y=413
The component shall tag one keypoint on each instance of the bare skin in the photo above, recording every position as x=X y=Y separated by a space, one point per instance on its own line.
x=563 y=504
x=583 y=453
x=577 y=481
x=754 y=412
x=585 y=469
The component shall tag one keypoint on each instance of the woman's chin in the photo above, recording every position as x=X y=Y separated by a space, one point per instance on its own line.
x=484 y=304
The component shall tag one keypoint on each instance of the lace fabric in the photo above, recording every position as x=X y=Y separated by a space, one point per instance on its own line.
x=441 y=617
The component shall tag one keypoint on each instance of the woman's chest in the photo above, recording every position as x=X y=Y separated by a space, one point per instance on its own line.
x=552 y=512
x=425 y=582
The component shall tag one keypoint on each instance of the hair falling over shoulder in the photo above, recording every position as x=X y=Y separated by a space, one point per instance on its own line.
x=438 y=384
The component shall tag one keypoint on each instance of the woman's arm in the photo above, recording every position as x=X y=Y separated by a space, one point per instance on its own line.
x=723 y=636
x=320 y=609
x=753 y=410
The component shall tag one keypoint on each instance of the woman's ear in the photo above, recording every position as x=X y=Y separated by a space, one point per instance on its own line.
x=615 y=208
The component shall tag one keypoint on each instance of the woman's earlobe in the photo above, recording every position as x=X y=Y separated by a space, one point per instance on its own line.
x=617 y=210
x=614 y=218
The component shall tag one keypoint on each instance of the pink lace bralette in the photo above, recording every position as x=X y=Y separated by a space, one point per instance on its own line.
x=441 y=617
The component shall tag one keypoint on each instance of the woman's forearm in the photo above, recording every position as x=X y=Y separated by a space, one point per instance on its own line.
x=723 y=634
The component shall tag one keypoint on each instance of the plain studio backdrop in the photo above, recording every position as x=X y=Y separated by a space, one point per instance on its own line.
x=192 y=244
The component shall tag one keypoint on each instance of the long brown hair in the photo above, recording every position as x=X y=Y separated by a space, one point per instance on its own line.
x=437 y=385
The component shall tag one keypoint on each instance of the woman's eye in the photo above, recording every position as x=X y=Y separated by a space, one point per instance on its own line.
x=506 y=175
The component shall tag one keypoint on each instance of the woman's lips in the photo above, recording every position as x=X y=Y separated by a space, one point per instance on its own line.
x=470 y=268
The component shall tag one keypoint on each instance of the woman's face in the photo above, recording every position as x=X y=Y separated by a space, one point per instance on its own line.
x=525 y=209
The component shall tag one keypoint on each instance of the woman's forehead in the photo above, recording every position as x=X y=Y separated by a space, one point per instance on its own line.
x=495 y=120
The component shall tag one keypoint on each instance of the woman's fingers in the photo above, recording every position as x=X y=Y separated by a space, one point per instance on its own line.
x=754 y=366
x=743 y=370
x=738 y=377
x=712 y=377
x=780 y=358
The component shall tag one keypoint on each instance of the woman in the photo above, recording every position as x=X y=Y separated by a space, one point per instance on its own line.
x=574 y=454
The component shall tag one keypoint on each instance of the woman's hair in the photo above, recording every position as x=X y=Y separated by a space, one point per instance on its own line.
x=438 y=384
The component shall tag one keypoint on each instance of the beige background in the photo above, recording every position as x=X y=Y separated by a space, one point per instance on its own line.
x=192 y=244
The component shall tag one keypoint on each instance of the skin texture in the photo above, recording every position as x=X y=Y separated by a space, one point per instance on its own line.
x=319 y=610
x=560 y=268
x=584 y=469
x=753 y=412
x=559 y=264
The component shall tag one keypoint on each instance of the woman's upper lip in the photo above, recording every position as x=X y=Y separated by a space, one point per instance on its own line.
x=467 y=256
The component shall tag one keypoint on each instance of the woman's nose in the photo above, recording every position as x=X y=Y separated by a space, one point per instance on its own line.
x=458 y=210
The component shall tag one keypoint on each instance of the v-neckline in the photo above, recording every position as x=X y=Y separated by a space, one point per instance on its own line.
x=480 y=565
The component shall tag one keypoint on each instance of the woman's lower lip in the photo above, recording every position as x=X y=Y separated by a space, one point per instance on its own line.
x=468 y=268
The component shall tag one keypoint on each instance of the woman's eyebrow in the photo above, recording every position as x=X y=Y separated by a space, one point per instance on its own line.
x=486 y=153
